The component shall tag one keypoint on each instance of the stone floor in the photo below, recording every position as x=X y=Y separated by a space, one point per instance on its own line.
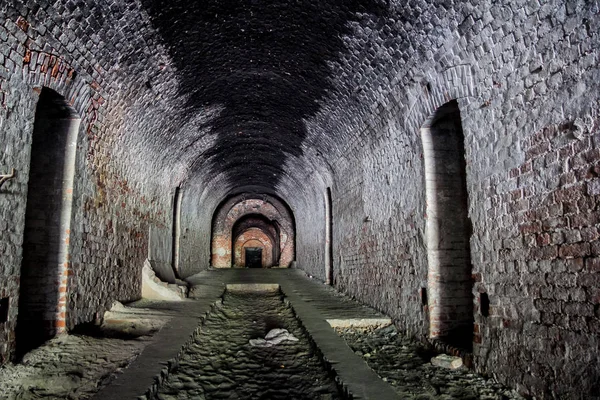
x=76 y=366
x=203 y=352
x=405 y=364
x=68 y=367
x=222 y=363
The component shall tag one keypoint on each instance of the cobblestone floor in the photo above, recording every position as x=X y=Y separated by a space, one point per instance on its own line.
x=76 y=366
x=405 y=364
x=221 y=364
x=67 y=367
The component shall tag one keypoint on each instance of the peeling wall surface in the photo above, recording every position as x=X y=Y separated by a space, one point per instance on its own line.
x=225 y=101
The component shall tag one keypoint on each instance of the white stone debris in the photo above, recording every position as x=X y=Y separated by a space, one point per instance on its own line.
x=135 y=321
x=154 y=289
x=273 y=338
x=446 y=361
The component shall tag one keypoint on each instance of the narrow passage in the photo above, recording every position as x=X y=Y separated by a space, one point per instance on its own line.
x=222 y=364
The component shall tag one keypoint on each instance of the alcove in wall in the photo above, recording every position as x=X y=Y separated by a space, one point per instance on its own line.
x=45 y=265
x=449 y=294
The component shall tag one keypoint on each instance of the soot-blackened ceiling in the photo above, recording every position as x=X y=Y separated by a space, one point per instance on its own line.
x=266 y=63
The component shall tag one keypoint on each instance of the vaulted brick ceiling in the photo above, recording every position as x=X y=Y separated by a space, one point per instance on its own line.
x=268 y=67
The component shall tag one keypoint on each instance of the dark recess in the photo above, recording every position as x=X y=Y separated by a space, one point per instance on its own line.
x=4 y=305
x=484 y=304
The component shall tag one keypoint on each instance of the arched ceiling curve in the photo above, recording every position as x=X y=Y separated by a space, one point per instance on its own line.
x=267 y=68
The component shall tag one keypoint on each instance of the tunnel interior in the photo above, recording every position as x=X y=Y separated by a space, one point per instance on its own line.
x=260 y=222
x=436 y=160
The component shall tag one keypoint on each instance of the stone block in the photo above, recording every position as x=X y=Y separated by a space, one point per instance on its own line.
x=446 y=361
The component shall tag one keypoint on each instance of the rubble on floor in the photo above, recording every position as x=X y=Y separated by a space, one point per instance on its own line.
x=155 y=289
x=222 y=364
x=273 y=338
x=446 y=361
x=68 y=367
x=76 y=366
x=406 y=365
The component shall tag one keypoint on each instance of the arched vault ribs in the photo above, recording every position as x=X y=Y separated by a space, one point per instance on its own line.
x=264 y=219
x=450 y=297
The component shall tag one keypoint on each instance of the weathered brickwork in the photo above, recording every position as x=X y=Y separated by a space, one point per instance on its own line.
x=540 y=270
x=43 y=45
x=514 y=68
x=287 y=99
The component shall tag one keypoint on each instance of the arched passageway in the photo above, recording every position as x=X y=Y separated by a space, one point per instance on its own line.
x=45 y=265
x=260 y=234
x=265 y=219
x=449 y=297
x=253 y=249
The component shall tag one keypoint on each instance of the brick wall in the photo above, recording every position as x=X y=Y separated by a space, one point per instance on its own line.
x=514 y=68
x=541 y=271
x=235 y=210
x=114 y=202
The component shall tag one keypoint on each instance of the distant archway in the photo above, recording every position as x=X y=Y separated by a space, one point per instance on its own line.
x=254 y=238
x=257 y=227
x=240 y=213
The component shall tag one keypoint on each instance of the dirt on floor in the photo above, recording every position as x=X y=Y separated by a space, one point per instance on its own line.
x=241 y=353
x=76 y=366
x=406 y=365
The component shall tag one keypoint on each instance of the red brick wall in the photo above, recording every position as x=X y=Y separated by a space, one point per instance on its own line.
x=232 y=211
x=253 y=237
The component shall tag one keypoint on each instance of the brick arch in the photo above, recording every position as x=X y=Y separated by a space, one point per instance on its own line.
x=45 y=265
x=454 y=83
x=253 y=237
x=57 y=73
x=457 y=85
x=238 y=207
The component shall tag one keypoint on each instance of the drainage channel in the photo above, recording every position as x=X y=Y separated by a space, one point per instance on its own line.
x=250 y=346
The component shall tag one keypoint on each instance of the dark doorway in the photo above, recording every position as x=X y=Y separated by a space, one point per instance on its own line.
x=328 y=239
x=44 y=269
x=253 y=257
x=448 y=228
x=176 y=235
